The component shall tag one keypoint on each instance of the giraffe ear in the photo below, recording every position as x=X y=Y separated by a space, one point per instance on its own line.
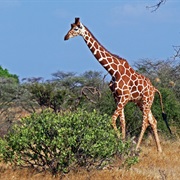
x=77 y=21
x=72 y=25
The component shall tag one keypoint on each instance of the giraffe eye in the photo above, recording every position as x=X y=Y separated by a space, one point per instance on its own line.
x=76 y=29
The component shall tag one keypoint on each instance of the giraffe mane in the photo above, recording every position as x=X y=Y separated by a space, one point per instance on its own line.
x=118 y=57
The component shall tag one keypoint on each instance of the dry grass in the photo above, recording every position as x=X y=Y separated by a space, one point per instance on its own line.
x=152 y=166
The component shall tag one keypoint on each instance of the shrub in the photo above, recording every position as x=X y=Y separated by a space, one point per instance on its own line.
x=58 y=142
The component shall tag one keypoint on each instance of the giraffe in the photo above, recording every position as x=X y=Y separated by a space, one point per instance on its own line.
x=126 y=85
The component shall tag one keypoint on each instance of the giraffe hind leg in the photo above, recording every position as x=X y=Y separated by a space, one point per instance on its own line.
x=145 y=124
x=153 y=123
x=148 y=118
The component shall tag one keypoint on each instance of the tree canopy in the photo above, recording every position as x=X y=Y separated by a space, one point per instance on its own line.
x=4 y=73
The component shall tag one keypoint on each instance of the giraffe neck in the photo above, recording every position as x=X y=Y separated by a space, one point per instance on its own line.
x=108 y=60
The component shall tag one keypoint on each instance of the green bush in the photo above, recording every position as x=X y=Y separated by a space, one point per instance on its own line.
x=58 y=142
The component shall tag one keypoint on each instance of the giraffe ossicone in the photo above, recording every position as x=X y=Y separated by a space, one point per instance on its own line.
x=126 y=84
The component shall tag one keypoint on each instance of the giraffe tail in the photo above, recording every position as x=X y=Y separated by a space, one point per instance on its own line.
x=164 y=115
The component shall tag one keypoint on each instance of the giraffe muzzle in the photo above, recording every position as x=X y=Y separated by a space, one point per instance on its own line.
x=66 y=37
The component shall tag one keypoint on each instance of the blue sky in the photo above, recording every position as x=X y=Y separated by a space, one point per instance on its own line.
x=32 y=33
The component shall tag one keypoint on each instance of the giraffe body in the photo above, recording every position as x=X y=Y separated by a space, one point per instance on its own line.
x=126 y=84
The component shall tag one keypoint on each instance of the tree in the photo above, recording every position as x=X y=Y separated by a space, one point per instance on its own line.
x=15 y=102
x=4 y=73
x=49 y=95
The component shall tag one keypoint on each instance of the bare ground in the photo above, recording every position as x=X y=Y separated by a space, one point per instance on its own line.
x=152 y=166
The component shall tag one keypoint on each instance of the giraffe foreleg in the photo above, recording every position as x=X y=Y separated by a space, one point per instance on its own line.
x=114 y=118
x=120 y=113
x=123 y=124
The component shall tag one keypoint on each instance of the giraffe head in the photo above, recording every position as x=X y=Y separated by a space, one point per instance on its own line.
x=76 y=29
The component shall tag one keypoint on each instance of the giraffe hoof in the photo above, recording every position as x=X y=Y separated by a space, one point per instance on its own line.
x=160 y=150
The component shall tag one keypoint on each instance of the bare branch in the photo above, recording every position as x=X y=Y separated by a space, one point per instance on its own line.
x=92 y=90
x=177 y=52
x=156 y=6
